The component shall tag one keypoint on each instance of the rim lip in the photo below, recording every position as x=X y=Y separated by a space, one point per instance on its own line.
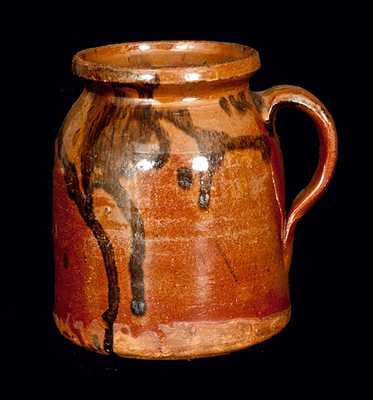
x=238 y=68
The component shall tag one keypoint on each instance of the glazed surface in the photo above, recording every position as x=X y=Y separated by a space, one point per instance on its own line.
x=178 y=340
x=166 y=210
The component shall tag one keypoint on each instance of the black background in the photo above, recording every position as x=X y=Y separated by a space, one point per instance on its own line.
x=316 y=50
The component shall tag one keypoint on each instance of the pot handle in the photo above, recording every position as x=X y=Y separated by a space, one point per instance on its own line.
x=268 y=102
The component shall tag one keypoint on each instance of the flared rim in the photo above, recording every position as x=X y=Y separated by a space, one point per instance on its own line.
x=166 y=62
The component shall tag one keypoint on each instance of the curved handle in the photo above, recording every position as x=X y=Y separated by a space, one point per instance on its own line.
x=268 y=102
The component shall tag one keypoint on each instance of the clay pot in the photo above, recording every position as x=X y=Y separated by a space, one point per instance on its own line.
x=171 y=236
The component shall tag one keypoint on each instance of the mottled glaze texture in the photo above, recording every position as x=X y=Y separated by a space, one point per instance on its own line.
x=171 y=238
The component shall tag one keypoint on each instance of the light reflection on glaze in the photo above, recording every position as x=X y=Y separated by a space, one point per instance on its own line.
x=192 y=76
x=183 y=46
x=147 y=77
x=200 y=163
x=144 y=47
x=110 y=150
x=189 y=99
x=145 y=165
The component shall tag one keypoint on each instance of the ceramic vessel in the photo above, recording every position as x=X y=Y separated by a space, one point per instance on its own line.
x=171 y=236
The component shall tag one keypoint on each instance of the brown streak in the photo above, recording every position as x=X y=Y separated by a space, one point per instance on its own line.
x=230 y=268
x=212 y=144
x=224 y=104
x=240 y=103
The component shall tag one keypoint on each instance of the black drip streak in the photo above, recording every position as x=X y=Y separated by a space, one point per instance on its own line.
x=212 y=145
x=100 y=117
x=240 y=104
x=104 y=155
x=133 y=217
x=224 y=104
x=85 y=207
x=185 y=177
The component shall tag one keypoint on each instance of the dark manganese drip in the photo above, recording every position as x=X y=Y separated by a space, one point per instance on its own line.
x=133 y=217
x=213 y=146
x=109 y=151
x=224 y=104
x=185 y=177
x=102 y=164
x=84 y=204
x=239 y=103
